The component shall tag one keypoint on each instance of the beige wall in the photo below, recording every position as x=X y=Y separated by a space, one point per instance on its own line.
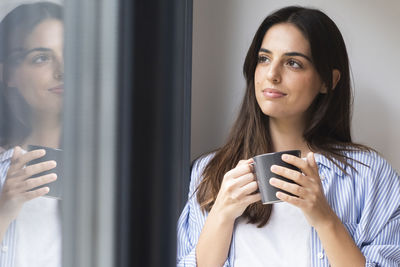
x=222 y=32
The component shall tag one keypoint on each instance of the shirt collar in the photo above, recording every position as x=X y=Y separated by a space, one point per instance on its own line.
x=324 y=161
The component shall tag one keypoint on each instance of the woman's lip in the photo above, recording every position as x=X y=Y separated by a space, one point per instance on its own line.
x=273 y=93
x=57 y=89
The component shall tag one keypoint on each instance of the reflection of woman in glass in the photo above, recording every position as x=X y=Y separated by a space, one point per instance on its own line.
x=346 y=205
x=31 y=57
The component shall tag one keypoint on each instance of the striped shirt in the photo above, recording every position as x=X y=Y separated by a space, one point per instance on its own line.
x=34 y=238
x=367 y=201
x=8 y=244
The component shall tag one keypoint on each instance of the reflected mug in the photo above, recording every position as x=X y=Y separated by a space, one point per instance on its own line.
x=51 y=154
x=262 y=168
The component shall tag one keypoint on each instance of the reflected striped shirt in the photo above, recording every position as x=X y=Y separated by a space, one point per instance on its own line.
x=367 y=201
x=8 y=244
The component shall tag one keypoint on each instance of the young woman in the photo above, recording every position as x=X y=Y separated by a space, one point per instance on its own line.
x=31 y=57
x=346 y=205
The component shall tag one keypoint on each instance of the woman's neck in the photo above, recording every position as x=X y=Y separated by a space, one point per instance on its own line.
x=287 y=134
x=46 y=131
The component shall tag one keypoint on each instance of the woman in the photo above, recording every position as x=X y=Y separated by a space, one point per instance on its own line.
x=31 y=56
x=345 y=209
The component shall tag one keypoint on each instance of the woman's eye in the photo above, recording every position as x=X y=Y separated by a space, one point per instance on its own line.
x=262 y=59
x=40 y=59
x=294 y=64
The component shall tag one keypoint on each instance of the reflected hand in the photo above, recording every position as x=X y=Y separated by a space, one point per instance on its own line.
x=308 y=189
x=237 y=191
x=17 y=188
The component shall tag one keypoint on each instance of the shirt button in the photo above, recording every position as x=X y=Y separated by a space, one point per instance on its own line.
x=322 y=177
x=320 y=255
x=4 y=249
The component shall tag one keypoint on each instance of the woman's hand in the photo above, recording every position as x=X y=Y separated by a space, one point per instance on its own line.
x=237 y=191
x=308 y=189
x=17 y=188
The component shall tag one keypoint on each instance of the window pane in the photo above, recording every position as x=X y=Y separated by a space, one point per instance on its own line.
x=31 y=165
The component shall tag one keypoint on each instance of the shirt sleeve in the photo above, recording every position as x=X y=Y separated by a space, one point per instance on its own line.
x=192 y=220
x=8 y=244
x=378 y=231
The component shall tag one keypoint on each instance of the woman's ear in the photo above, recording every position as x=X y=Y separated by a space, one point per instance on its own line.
x=335 y=78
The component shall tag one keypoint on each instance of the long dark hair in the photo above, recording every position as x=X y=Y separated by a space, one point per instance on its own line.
x=15 y=122
x=327 y=130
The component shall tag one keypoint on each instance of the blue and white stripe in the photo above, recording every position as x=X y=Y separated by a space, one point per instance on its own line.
x=8 y=244
x=366 y=200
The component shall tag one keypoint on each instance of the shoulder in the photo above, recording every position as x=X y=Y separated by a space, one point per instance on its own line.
x=373 y=170
x=369 y=161
x=198 y=167
x=362 y=163
x=201 y=162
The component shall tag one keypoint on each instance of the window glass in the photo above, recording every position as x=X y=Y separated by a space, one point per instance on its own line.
x=31 y=110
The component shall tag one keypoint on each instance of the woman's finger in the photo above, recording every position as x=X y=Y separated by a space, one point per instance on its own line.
x=32 y=183
x=19 y=160
x=35 y=193
x=299 y=163
x=295 y=189
x=290 y=174
x=311 y=161
x=250 y=199
x=298 y=202
x=249 y=188
x=244 y=179
x=36 y=169
x=239 y=171
x=245 y=161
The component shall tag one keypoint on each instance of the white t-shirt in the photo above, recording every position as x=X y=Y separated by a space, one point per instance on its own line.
x=282 y=242
x=39 y=234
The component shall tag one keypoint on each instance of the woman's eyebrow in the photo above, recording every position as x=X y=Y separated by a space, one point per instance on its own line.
x=37 y=49
x=287 y=54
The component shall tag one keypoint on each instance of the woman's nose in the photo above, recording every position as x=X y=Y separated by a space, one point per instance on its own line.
x=274 y=73
x=59 y=70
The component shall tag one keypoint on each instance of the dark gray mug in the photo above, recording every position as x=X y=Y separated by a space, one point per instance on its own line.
x=262 y=169
x=51 y=154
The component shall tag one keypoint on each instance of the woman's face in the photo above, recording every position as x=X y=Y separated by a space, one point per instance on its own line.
x=39 y=76
x=285 y=79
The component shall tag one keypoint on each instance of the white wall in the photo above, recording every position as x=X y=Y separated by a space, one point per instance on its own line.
x=222 y=33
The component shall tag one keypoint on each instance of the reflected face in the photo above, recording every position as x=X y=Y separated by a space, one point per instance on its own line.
x=39 y=75
x=285 y=79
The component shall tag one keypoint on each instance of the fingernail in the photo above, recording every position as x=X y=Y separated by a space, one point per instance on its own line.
x=42 y=152
x=274 y=168
x=285 y=156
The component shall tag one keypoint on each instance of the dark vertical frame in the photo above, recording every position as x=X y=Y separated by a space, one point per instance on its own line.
x=153 y=128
